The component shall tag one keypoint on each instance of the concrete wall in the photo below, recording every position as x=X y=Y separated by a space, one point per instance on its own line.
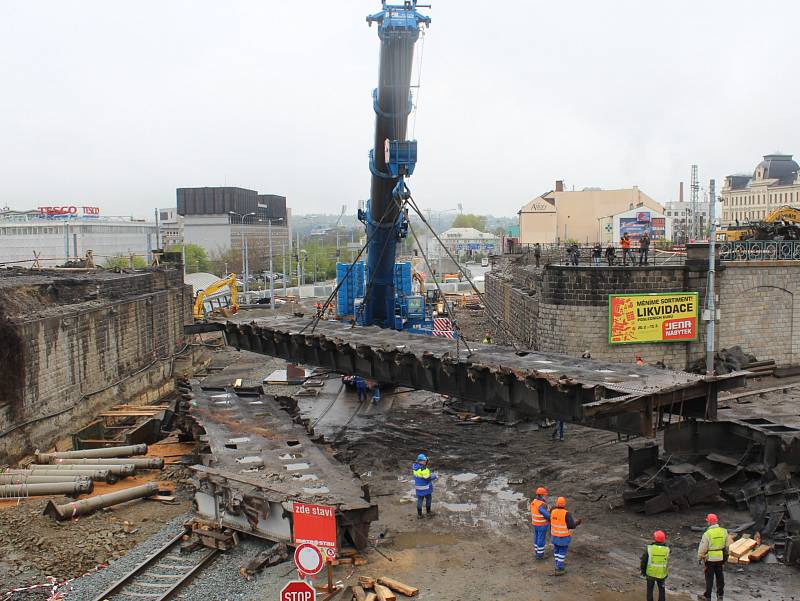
x=88 y=344
x=564 y=309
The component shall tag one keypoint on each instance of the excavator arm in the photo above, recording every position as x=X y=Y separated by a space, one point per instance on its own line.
x=199 y=311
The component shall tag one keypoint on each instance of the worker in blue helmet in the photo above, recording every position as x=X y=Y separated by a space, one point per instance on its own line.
x=423 y=484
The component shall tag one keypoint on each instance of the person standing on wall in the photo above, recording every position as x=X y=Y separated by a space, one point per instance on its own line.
x=537 y=253
x=713 y=552
x=625 y=243
x=597 y=254
x=644 y=248
x=611 y=254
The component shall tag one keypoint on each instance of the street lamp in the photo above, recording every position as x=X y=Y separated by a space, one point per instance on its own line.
x=271 y=269
x=245 y=261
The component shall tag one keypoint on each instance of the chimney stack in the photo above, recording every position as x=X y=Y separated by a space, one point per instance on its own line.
x=680 y=193
x=559 y=185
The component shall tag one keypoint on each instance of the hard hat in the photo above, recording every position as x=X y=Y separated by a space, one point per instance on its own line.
x=659 y=536
x=561 y=502
x=712 y=518
x=422 y=457
x=541 y=491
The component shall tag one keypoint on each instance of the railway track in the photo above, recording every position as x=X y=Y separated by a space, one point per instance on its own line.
x=160 y=575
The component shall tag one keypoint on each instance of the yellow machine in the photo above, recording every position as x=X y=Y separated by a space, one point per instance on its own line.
x=199 y=310
x=733 y=233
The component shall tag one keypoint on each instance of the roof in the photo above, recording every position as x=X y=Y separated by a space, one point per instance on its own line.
x=199 y=281
x=777 y=166
x=547 y=197
x=465 y=233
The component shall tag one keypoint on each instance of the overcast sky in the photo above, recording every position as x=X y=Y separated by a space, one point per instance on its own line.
x=116 y=103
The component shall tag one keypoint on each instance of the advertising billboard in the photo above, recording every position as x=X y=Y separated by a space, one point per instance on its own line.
x=638 y=318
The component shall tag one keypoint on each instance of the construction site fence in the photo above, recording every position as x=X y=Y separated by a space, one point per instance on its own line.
x=568 y=254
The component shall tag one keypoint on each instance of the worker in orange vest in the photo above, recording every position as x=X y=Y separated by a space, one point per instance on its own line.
x=561 y=526
x=540 y=521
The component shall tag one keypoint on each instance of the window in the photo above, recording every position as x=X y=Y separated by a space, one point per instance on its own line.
x=164 y=216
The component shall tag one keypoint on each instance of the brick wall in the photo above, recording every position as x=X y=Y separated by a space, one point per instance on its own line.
x=564 y=309
x=88 y=343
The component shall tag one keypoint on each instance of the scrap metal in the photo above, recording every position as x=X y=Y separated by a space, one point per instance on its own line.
x=258 y=461
x=71 y=489
x=623 y=398
x=104 y=452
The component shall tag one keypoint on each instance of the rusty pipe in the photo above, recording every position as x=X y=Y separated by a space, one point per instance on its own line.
x=68 y=511
x=104 y=452
x=92 y=474
x=72 y=489
x=118 y=470
x=31 y=478
x=141 y=463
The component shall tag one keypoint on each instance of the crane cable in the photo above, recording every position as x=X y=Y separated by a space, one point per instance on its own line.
x=496 y=319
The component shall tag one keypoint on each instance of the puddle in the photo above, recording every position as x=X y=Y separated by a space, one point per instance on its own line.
x=414 y=540
x=499 y=486
x=292 y=467
x=466 y=477
x=249 y=459
x=304 y=477
x=459 y=507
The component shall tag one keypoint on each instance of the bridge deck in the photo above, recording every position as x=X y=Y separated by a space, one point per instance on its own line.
x=613 y=396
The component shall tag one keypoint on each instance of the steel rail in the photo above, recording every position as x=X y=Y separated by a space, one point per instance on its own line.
x=117 y=590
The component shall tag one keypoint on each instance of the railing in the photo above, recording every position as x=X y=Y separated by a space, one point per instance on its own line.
x=655 y=256
x=759 y=250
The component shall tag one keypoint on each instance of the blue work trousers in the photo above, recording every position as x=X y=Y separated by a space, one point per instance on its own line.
x=559 y=554
x=427 y=499
x=540 y=540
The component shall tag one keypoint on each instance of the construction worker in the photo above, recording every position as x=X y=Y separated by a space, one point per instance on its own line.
x=713 y=551
x=487 y=339
x=361 y=388
x=558 y=430
x=625 y=243
x=561 y=526
x=423 y=484
x=376 y=394
x=654 y=565
x=540 y=521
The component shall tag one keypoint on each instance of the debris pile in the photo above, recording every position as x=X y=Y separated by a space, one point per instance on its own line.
x=730 y=360
x=753 y=463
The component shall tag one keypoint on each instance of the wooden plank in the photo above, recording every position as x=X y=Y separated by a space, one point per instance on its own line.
x=384 y=594
x=745 y=558
x=366 y=582
x=396 y=585
x=359 y=593
x=742 y=547
x=371 y=597
x=759 y=553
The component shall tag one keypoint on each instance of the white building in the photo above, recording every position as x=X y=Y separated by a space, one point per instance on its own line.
x=775 y=183
x=681 y=215
x=58 y=234
x=635 y=222
x=170 y=227
x=465 y=241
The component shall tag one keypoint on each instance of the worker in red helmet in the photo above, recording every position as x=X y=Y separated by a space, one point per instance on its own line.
x=713 y=552
x=540 y=521
x=654 y=565
x=561 y=526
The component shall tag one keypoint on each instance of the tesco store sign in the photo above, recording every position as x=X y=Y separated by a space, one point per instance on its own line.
x=68 y=212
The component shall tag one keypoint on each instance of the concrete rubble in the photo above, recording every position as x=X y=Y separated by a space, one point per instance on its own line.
x=753 y=463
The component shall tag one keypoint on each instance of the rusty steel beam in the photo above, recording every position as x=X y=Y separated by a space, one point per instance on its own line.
x=620 y=397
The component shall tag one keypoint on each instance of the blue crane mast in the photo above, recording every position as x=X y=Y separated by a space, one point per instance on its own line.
x=391 y=160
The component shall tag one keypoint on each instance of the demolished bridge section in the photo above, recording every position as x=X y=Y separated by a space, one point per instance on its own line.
x=619 y=397
x=257 y=461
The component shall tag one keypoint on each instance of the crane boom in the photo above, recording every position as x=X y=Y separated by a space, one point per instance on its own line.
x=392 y=157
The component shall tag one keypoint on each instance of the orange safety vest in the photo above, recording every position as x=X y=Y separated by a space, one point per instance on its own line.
x=625 y=242
x=558 y=523
x=537 y=519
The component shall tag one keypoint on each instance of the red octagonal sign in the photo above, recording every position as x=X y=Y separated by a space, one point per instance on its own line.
x=297 y=590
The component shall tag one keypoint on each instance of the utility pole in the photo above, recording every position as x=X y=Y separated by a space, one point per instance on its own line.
x=711 y=306
x=283 y=256
x=245 y=262
x=695 y=205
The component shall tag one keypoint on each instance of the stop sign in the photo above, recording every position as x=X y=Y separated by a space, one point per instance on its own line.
x=297 y=590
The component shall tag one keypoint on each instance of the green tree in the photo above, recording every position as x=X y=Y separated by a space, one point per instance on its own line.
x=196 y=258
x=468 y=220
x=124 y=262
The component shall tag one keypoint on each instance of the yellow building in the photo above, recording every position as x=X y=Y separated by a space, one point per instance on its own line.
x=561 y=215
x=775 y=183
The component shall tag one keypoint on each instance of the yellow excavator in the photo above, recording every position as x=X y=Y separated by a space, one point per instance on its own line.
x=761 y=230
x=226 y=305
